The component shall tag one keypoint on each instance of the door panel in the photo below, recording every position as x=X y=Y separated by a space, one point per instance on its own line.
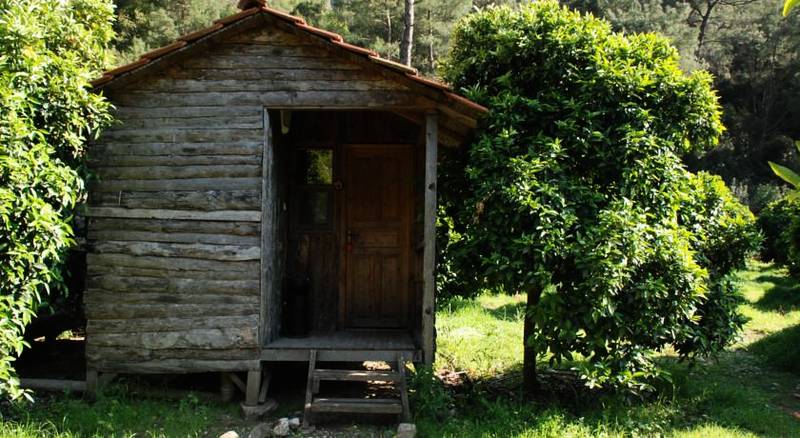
x=377 y=219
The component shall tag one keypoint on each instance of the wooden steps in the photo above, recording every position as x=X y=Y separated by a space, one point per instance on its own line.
x=393 y=406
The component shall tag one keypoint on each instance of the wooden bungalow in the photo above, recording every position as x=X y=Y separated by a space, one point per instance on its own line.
x=268 y=195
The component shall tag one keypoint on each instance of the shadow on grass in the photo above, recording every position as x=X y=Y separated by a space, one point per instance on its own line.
x=780 y=350
x=784 y=296
x=509 y=312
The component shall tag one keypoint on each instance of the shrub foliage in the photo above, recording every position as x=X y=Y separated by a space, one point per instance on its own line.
x=49 y=51
x=575 y=191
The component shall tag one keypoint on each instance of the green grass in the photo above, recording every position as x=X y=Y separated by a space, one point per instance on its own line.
x=747 y=391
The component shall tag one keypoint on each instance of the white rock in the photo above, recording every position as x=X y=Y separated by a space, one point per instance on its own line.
x=229 y=434
x=294 y=423
x=263 y=430
x=406 y=430
x=281 y=428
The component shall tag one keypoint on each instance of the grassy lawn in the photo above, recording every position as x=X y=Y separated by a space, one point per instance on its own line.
x=747 y=391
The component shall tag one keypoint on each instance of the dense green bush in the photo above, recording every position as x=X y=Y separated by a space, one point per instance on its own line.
x=776 y=221
x=49 y=51
x=575 y=192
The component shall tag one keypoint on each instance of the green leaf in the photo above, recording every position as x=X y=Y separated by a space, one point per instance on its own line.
x=788 y=6
x=786 y=174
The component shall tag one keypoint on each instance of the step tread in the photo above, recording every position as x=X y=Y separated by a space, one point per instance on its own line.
x=357 y=405
x=357 y=375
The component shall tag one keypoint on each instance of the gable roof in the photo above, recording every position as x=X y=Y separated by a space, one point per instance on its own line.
x=464 y=105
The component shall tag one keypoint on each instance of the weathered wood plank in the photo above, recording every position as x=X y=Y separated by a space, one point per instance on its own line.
x=132 y=325
x=165 y=273
x=275 y=74
x=235 y=62
x=429 y=251
x=172 y=160
x=179 y=172
x=243 y=147
x=233 y=253
x=174 y=263
x=153 y=122
x=175 y=226
x=173 y=366
x=115 y=311
x=174 y=286
x=133 y=112
x=281 y=99
x=270 y=282
x=203 y=200
x=217 y=134
x=272 y=50
x=207 y=338
x=100 y=296
x=145 y=236
x=98 y=353
x=158 y=185
x=238 y=85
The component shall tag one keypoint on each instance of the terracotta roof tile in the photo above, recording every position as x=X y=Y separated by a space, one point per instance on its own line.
x=321 y=32
x=394 y=65
x=356 y=49
x=153 y=54
x=201 y=33
x=465 y=101
x=127 y=67
x=429 y=82
x=236 y=17
x=284 y=15
x=101 y=80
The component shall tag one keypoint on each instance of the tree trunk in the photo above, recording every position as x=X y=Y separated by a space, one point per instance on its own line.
x=407 y=45
x=530 y=384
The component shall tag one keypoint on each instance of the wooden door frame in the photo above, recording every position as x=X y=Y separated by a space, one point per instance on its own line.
x=341 y=227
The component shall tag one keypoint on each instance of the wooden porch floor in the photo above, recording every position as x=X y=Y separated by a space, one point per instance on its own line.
x=344 y=346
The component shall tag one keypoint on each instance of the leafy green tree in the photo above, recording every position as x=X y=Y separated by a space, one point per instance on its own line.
x=574 y=192
x=49 y=51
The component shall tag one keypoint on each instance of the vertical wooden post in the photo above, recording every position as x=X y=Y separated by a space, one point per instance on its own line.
x=253 y=387
x=268 y=225
x=91 y=384
x=429 y=254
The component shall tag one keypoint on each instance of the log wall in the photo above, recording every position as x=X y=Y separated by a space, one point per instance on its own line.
x=175 y=265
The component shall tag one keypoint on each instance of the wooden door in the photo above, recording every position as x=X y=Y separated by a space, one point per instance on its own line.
x=376 y=230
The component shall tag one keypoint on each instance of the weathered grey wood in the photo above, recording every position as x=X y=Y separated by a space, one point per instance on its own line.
x=266 y=378
x=238 y=85
x=429 y=251
x=301 y=355
x=233 y=253
x=269 y=280
x=302 y=50
x=53 y=385
x=158 y=185
x=312 y=365
x=282 y=99
x=179 y=172
x=357 y=405
x=209 y=338
x=402 y=388
x=175 y=366
x=91 y=381
x=173 y=263
x=132 y=112
x=137 y=213
x=174 y=286
x=237 y=382
x=175 y=226
x=172 y=160
x=126 y=353
x=222 y=60
x=172 y=135
x=166 y=273
x=275 y=74
x=226 y=388
x=197 y=122
x=202 y=200
x=241 y=147
x=113 y=311
x=356 y=375
x=146 y=236
x=253 y=387
x=133 y=325
x=99 y=296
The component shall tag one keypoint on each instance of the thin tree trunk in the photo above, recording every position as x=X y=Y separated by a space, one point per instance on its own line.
x=431 y=57
x=407 y=45
x=530 y=383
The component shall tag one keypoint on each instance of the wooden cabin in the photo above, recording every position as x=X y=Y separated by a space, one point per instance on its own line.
x=268 y=192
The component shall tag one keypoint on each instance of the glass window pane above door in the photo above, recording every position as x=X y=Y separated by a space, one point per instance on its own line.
x=315 y=166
